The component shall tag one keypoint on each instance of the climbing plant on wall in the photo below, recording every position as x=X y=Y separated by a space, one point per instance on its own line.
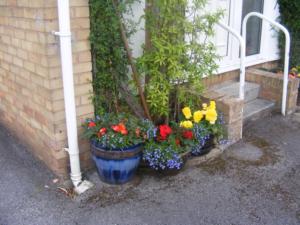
x=179 y=51
x=109 y=58
x=290 y=17
x=110 y=62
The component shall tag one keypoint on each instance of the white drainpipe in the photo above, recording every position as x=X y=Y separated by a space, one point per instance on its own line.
x=69 y=96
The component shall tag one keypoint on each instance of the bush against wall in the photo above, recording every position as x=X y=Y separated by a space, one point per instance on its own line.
x=177 y=54
x=115 y=88
x=290 y=17
x=110 y=63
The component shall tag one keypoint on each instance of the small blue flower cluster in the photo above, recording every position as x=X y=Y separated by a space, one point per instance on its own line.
x=151 y=133
x=174 y=163
x=159 y=158
x=151 y=130
x=202 y=135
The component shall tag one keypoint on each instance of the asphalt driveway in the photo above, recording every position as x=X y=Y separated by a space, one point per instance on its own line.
x=256 y=181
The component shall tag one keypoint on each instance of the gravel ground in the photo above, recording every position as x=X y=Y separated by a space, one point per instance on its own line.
x=256 y=181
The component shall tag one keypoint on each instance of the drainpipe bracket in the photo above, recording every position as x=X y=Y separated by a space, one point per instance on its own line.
x=61 y=34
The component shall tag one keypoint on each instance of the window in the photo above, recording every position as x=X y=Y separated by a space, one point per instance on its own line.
x=254 y=26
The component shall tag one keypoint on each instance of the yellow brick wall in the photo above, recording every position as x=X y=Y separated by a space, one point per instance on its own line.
x=31 y=94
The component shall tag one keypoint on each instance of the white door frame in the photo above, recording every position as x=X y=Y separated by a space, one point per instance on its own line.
x=231 y=61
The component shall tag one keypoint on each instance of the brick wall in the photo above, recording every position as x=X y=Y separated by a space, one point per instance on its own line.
x=232 y=107
x=271 y=86
x=31 y=94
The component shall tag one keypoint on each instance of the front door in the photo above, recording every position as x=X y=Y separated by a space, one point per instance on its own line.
x=227 y=45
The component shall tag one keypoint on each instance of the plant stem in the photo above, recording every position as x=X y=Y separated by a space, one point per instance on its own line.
x=135 y=74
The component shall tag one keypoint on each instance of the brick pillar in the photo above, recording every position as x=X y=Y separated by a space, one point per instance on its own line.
x=31 y=92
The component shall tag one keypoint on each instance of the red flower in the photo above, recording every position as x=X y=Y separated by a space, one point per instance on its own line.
x=164 y=131
x=120 y=128
x=177 y=142
x=188 y=134
x=101 y=132
x=115 y=128
x=91 y=124
x=124 y=132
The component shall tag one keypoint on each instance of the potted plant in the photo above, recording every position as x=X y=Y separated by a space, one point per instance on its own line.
x=203 y=128
x=295 y=72
x=177 y=53
x=117 y=142
x=197 y=133
x=165 y=152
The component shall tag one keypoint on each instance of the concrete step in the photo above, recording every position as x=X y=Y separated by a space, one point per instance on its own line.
x=257 y=108
x=232 y=90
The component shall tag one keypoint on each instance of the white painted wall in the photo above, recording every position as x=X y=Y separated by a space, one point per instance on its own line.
x=138 y=39
x=227 y=46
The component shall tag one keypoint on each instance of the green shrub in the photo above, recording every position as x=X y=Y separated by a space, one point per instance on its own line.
x=181 y=52
x=290 y=17
x=110 y=63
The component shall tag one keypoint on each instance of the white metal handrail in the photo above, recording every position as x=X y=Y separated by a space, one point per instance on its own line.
x=242 y=58
x=287 y=51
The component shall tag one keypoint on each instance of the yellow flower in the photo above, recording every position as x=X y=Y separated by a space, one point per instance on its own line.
x=186 y=124
x=211 y=116
x=198 y=115
x=204 y=105
x=187 y=112
x=212 y=105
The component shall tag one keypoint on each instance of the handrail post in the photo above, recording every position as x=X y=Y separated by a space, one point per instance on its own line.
x=287 y=52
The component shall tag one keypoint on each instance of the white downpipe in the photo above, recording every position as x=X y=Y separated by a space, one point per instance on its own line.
x=68 y=86
x=242 y=58
x=287 y=52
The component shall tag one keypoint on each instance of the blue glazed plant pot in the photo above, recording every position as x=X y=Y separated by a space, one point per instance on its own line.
x=116 y=166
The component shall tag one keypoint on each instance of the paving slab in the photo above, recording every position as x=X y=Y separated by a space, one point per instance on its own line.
x=257 y=108
x=232 y=89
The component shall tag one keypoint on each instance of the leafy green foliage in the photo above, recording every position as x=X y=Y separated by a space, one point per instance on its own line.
x=118 y=131
x=180 y=53
x=290 y=17
x=110 y=63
